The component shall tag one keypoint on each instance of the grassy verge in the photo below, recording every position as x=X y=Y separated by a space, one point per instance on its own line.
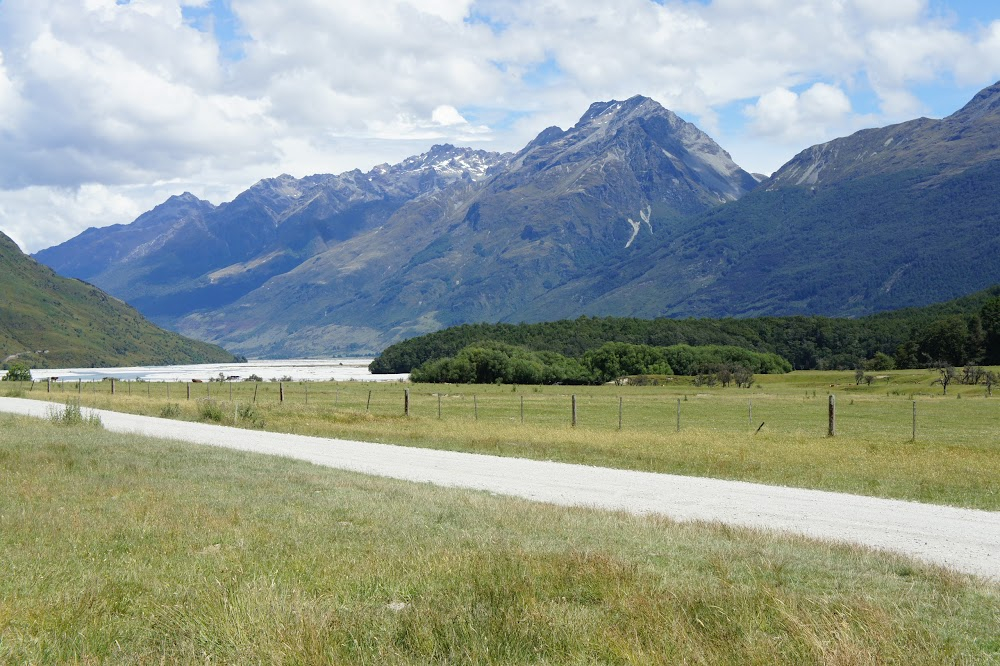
x=775 y=433
x=122 y=550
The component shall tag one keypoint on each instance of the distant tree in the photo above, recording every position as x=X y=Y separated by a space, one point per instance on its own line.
x=869 y=379
x=989 y=315
x=17 y=372
x=859 y=376
x=989 y=379
x=880 y=363
x=908 y=355
x=743 y=377
x=947 y=376
x=972 y=375
x=944 y=340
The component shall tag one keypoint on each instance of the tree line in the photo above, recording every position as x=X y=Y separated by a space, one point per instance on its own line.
x=957 y=333
x=497 y=362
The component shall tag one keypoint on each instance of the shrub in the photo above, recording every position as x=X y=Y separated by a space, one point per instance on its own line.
x=209 y=410
x=249 y=414
x=171 y=411
x=17 y=372
x=73 y=415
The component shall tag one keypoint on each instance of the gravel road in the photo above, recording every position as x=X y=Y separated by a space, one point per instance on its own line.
x=962 y=539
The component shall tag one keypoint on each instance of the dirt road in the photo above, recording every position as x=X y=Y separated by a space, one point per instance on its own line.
x=963 y=539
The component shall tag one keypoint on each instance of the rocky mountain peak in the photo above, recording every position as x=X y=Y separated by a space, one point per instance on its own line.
x=448 y=161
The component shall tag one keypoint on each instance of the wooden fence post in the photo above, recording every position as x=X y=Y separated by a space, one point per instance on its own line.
x=188 y=385
x=832 y=430
x=112 y=386
x=281 y=391
x=406 y=402
x=48 y=385
x=369 y=403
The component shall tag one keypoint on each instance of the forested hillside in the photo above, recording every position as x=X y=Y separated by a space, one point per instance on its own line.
x=966 y=330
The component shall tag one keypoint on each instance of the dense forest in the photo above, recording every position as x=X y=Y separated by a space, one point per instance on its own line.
x=959 y=332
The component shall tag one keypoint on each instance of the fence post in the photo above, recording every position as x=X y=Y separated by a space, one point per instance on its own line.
x=619 y=412
x=128 y=384
x=574 y=410
x=112 y=386
x=832 y=431
x=369 y=403
x=188 y=385
x=678 y=414
x=48 y=385
x=231 y=393
x=406 y=402
x=281 y=391
x=914 y=420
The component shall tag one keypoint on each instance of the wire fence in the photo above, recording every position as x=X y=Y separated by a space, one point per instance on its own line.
x=866 y=414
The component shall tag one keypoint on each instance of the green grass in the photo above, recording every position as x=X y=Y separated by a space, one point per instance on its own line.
x=954 y=460
x=126 y=550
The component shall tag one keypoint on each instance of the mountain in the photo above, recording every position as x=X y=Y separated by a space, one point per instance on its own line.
x=187 y=254
x=570 y=202
x=51 y=321
x=900 y=216
x=630 y=212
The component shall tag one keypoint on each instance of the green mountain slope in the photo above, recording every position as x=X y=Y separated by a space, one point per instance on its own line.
x=50 y=321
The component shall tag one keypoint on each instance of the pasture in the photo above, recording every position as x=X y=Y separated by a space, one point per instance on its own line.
x=775 y=432
x=129 y=550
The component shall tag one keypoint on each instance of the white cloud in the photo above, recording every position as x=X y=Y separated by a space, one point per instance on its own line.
x=113 y=102
x=789 y=116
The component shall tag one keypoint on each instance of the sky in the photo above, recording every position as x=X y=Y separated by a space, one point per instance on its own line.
x=109 y=107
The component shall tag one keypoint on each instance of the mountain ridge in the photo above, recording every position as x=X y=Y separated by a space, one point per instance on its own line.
x=632 y=211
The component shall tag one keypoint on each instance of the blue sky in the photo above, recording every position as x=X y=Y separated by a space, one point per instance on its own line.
x=108 y=107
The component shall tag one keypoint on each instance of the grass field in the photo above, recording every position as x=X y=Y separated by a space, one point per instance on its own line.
x=955 y=458
x=125 y=550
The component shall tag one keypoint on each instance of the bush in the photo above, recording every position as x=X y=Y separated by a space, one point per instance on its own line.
x=73 y=415
x=171 y=411
x=17 y=372
x=249 y=414
x=209 y=410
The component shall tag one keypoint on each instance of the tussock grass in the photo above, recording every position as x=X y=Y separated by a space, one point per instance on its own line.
x=954 y=460
x=122 y=550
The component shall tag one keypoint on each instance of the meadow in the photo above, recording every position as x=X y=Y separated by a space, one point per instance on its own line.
x=127 y=550
x=775 y=432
